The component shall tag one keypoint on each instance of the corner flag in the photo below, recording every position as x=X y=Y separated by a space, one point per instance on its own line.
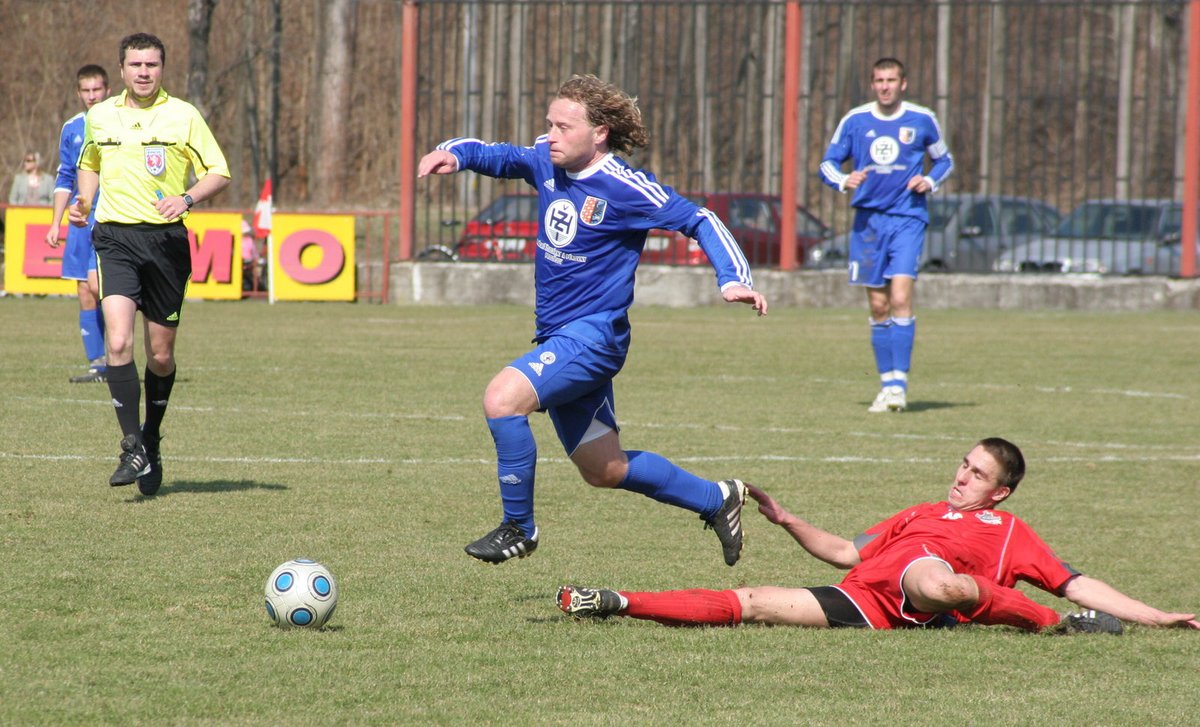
x=262 y=211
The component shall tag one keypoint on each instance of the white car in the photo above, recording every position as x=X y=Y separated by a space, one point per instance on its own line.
x=1106 y=237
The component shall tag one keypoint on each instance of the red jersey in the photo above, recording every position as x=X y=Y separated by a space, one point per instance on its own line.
x=991 y=544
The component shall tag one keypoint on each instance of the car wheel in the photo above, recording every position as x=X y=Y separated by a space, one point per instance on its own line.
x=436 y=254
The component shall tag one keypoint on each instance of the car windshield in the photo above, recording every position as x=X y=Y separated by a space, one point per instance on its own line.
x=509 y=208
x=1110 y=219
x=941 y=211
x=1172 y=221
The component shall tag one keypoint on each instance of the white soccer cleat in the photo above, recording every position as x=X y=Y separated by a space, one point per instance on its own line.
x=880 y=404
x=891 y=398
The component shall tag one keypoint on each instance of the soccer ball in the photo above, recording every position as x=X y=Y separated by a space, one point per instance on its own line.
x=301 y=593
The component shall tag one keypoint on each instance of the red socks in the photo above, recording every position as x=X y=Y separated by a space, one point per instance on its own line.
x=1009 y=607
x=686 y=608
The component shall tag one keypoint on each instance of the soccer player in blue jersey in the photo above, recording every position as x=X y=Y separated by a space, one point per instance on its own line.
x=595 y=211
x=79 y=257
x=887 y=142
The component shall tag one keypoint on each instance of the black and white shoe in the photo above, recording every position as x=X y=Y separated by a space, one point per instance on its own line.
x=727 y=521
x=588 y=602
x=1090 y=622
x=149 y=483
x=92 y=376
x=134 y=463
x=506 y=541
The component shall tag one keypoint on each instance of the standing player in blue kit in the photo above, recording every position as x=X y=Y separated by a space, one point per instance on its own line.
x=595 y=211
x=887 y=141
x=79 y=257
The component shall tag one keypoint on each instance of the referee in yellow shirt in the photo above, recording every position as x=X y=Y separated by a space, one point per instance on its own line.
x=138 y=148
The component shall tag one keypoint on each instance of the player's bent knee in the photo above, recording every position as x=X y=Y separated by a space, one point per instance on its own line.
x=607 y=475
x=940 y=590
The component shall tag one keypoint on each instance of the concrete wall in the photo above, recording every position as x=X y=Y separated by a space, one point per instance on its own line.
x=483 y=283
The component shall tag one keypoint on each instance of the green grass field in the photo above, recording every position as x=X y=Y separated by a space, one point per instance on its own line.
x=353 y=434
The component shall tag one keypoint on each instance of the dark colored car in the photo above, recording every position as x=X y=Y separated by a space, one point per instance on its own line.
x=506 y=231
x=966 y=232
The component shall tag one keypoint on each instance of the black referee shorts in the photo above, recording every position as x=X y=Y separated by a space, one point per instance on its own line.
x=149 y=264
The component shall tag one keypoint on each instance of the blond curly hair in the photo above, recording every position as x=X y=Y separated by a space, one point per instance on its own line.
x=607 y=105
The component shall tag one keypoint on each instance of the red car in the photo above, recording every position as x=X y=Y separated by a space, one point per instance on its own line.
x=754 y=220
x=506 y=231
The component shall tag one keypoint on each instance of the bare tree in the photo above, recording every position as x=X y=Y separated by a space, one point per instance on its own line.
x=336 y=64
x=199 y=18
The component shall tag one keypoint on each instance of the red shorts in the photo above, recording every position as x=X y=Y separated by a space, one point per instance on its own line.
x=874 y=586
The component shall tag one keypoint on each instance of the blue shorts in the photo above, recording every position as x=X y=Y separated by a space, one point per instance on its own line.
x=79 y=257
x=573 y=381
x=883 y=246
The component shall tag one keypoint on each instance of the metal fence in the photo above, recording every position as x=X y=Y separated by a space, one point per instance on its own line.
x=1047 y=104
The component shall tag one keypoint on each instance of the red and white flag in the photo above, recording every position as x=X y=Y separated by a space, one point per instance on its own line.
x=262 y=211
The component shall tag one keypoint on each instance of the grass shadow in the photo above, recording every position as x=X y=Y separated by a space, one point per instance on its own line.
x=920 y=406
x=181 y=487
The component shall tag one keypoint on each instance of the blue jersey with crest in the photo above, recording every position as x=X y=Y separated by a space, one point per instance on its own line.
x=893 y=149
x=67 y=180
x=592 y=228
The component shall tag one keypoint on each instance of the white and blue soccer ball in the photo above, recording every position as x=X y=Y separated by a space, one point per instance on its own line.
x=301 y=593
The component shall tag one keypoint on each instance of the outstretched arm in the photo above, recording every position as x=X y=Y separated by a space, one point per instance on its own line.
x=834 y=550
x=1094 y=593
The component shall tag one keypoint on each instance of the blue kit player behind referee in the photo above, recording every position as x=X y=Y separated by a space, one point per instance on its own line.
x=79 y=257
x=137 y=150
x=887 y=141
x=595 y=211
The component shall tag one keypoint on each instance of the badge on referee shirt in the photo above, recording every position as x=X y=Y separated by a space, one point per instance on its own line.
x=156 y=160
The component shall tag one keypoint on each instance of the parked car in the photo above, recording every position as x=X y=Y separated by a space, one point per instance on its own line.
x=1106 y=236
x=753 y=219
x=966 y=232
x=506 y=231
x=503 y=231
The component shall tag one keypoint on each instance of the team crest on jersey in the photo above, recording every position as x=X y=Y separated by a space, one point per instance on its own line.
x=989 y=517
x=884 y=150
x=156 y=160
x=907 y=134
x=593 y=210
x=560 y=223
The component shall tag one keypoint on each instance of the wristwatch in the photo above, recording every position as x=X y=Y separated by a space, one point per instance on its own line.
x=187 y=199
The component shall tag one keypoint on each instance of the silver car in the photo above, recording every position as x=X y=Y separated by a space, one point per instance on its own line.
x=1106 y=236
x=966 y=232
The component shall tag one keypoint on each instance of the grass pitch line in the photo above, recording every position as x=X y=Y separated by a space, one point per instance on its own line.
x=263 y=412
x=1132 y=393
x=473 y=461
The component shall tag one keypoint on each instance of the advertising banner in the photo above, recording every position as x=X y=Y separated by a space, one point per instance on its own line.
x=313 y=258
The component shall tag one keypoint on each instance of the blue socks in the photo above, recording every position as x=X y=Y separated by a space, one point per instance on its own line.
x=656 y=477
x=516 y=461
x=91 y=330
x=903 y=333
x=892 y=342
x=881 y=344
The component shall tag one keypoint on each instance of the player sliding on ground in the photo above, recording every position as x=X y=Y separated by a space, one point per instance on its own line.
x=934 y=564
x=595 y=212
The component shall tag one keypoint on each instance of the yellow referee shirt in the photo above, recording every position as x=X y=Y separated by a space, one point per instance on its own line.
x=140 y=153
